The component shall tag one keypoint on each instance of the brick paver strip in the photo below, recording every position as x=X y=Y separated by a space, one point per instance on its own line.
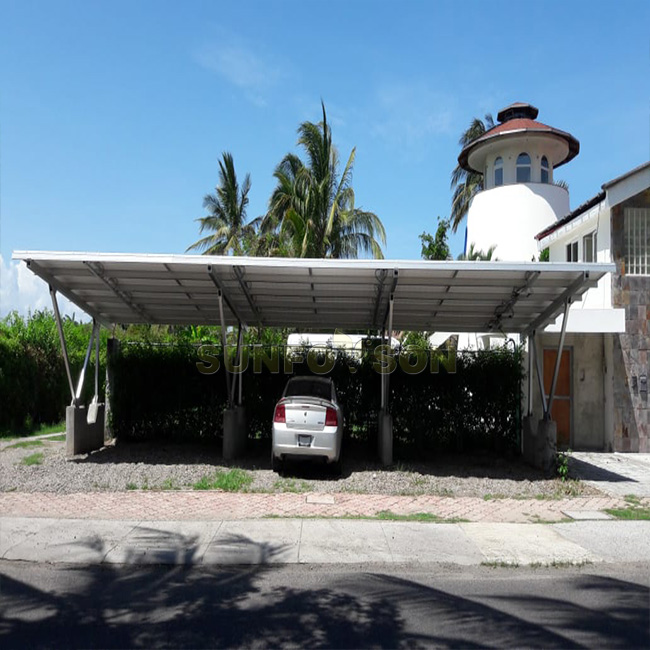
x=192 y=505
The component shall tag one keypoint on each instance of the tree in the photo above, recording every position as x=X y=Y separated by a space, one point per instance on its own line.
x=312 y=210
x=478 y=255
x=436 y=248
x=226 y=223
x=465 y=184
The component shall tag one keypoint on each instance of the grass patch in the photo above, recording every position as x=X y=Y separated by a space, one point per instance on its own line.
x=33 y=431
x=234 y=480
x=131 y=486
x=387 y=515
x=384 y=515
x=25 y=445
x=291 y=485
x=60 y=438
x=630 y=513
x=33 y=459
x=500 y=564
x=536 y=519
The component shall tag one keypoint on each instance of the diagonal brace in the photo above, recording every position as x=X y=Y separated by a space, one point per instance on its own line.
x=64 y=347
x=98 y=271
x=223 y=297
x=556 y=370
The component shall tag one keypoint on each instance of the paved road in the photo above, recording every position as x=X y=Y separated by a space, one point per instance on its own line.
x=334 y=606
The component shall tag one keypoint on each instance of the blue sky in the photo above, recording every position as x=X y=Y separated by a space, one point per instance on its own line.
x=113 y=114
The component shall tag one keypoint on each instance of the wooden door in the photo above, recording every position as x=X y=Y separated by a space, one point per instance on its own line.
x=561 y=410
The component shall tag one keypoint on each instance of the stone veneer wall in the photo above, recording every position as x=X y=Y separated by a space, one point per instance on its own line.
x=631 y=412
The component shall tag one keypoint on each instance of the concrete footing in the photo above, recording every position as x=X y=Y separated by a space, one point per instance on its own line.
x=546 y=445
x=81 y=436
x=385 y=438
x=529 y=439
x=234 y=432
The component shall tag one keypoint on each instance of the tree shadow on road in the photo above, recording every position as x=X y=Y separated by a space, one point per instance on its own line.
x=261 y=605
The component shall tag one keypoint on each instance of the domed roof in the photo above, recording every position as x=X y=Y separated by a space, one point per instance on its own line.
x=515 y=120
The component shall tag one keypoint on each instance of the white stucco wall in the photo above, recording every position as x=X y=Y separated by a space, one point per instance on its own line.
x=594 y=313
x=511 y=215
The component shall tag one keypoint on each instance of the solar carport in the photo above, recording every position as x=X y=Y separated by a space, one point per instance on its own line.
x=379 y=295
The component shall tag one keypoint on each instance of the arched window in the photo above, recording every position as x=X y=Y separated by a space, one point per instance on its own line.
x=544 y=169
x=498 y=171
x=523 y=168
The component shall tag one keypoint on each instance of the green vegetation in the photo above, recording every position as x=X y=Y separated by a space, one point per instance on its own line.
x=500 y=564
x=477 y=255
x=131 y=486
x=636 y=510
x=291 y=485
x=311 y=211
x=233 y=480
x=185 y=405
x=60 y=438
x=436 y=247
x=40 y=430
x=562 y=464
x=227 y=219
x=26 y=444
x=33 y=459
x=387 y=515
x=465 y=184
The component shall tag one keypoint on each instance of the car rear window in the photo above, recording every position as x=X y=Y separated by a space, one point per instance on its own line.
x=308 y=388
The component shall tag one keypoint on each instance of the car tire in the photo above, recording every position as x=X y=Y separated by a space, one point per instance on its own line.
x=276 y=464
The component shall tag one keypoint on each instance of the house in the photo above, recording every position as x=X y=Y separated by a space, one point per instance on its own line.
x=613 y=226
x=600 y=399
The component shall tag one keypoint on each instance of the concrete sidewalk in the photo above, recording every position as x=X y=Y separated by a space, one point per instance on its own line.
x=273 y=541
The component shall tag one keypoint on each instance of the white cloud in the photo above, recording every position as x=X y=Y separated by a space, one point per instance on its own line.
x=24 y=292
x=241 y=65
x=411 y=112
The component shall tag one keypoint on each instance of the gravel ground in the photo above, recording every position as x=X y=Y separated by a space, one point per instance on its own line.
x=166 y=466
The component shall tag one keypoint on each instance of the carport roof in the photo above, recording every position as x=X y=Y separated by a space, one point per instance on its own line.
x=314 y=293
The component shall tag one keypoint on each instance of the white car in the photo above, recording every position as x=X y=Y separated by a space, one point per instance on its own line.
x=307 y=422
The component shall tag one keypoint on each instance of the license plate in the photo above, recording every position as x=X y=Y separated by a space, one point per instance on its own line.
x=304 y=441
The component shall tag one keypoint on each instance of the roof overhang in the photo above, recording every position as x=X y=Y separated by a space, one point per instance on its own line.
x=314 y=293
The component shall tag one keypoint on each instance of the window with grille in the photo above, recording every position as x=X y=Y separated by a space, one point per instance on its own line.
x=637 y=241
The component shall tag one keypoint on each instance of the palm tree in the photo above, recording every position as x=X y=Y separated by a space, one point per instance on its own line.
x=227 y=219
x=311 y=211
x=478 y=255
x=466 y=184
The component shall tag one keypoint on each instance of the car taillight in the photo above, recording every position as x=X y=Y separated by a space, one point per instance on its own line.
x=331 y=419
x=280 y=414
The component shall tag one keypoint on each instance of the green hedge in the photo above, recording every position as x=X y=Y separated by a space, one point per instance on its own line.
x=33 y=384
x=159 y=393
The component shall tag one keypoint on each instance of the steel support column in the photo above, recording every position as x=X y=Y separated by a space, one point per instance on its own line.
x=223 y=347
x=531 y=343
x=237 y=365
